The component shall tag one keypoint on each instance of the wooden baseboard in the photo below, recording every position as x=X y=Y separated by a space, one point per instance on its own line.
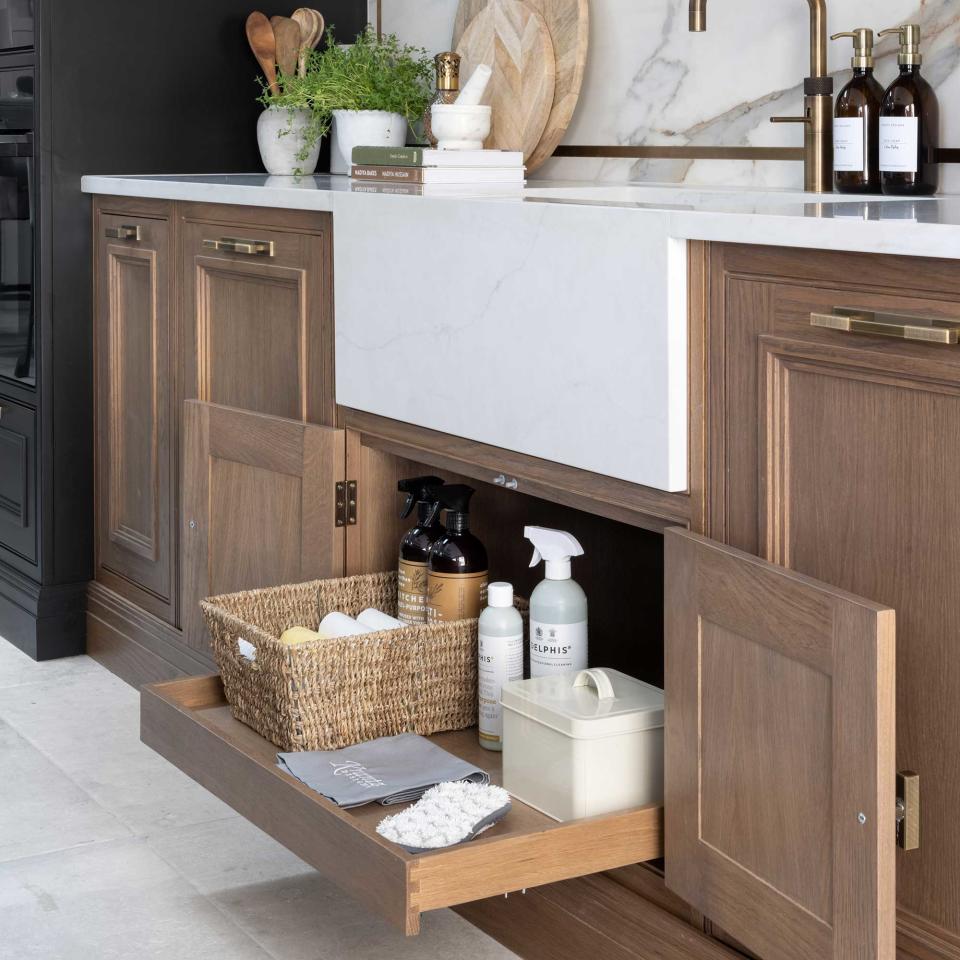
x=590 y=917
x=919 y=939
x=45 y=622
x=136 y=646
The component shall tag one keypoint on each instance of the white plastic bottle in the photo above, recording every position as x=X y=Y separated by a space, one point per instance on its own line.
x=501 y=659
x=558 y=606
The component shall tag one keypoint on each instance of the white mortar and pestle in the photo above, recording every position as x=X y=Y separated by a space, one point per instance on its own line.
x=465 y=124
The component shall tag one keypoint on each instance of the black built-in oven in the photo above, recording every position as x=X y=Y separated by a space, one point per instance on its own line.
x=16 y=24
x=18 y=184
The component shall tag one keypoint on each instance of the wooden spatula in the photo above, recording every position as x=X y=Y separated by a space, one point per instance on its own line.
x=311 y=30
x=287 y=34
x=264 y=46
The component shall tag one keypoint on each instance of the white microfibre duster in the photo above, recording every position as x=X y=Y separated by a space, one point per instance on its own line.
x=446 y=814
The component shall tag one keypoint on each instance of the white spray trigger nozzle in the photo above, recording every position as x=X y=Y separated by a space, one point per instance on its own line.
x=557 y=547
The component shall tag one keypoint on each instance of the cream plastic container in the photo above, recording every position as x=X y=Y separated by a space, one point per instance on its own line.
x=583 y=743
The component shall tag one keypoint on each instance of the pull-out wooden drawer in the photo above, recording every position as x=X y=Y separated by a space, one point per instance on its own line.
x=190 y=723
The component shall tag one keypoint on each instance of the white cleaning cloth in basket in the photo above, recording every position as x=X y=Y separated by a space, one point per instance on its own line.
x=447 y=814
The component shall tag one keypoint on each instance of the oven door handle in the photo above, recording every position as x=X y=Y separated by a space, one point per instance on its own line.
x=16 y=144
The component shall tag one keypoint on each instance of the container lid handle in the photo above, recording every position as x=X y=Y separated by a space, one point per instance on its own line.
x=598 y=680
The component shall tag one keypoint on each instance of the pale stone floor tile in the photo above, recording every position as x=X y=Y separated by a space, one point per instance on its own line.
x=88 y=724
x=41 y=809
x=122 y=857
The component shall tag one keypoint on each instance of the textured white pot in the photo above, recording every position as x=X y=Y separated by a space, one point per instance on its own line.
x=280 y=137
x=363 y=128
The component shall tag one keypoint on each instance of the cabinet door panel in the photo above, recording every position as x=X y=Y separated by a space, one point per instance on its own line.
x=258 y=505
x=258 y=327
x=779 y=755
x=836 y=454
x=135 y=430
x=18 y=506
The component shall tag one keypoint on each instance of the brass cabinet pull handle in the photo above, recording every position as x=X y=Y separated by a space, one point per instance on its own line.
x=253 y=248
x=126 y=231
x=924 y=329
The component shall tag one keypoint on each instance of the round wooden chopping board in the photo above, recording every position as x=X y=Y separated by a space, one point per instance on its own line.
x=514 y=41
x=569 y=25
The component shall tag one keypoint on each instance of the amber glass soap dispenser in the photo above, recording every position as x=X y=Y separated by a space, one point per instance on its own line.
x=909 y=124
x=856 y=124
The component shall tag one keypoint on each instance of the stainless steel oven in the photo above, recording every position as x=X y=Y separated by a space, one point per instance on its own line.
x=17 y=226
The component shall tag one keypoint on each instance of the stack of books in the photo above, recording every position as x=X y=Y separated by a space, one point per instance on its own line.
x=422 y=166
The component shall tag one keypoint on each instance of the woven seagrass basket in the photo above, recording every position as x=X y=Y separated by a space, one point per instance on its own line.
x=328 y=694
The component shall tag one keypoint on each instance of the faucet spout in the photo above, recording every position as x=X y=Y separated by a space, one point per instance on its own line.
x=817 y=96
x=818 y=31
x=698 y=16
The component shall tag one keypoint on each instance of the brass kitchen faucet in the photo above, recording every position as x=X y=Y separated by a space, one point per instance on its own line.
x=818 y=99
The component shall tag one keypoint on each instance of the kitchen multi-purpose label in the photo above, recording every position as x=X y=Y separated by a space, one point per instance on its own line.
x=557 y=647
x=501 y=661
x=455 y=596
x=848 y=144
x=412 y=592
x=899 y=144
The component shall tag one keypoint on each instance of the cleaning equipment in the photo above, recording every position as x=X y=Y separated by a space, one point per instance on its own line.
x=457 y=571
x=558 y=606
x=335 y=625
x=388 y=770
x=378 y=620
x=416 y=544
x=449 y=814
x=501 y=659
x=584 y=743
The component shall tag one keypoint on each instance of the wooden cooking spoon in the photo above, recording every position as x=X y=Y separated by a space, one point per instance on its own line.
x=311 y=30
x=287 y=33
x=264 y=46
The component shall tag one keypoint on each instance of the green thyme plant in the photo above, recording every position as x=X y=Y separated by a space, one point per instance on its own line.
x=374 y=73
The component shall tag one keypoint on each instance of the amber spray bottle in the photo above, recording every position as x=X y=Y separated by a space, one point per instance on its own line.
x=457 y=577
x=856 y=124
x=909 y=124
x=422 y=493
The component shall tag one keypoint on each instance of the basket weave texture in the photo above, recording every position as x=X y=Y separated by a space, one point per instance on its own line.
x=328 y=694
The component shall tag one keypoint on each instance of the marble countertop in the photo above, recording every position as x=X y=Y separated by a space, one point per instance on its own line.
x=921 y=227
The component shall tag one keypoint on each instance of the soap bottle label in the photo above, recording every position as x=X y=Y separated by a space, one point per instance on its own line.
x=899 y=138
x=848 y=140
x=557 y=647
x=501 y=661
x=455 y=596
x=412 y=592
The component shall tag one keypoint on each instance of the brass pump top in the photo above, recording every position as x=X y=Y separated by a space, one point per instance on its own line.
x=862 y=47
x=448 y=70
x=909 y=33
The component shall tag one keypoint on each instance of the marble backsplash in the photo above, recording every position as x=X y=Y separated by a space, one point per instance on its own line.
x=650 y=81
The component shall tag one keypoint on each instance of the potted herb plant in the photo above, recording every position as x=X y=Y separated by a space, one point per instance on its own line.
x=369 y=90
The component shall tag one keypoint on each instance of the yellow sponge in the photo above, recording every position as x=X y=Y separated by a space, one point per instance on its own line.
x=299 y=635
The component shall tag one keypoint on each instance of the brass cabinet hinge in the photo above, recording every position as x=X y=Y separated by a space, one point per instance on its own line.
x=908 y=810
x=346 y=500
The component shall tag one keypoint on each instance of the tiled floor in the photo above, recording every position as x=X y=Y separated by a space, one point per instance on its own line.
x=109 y=853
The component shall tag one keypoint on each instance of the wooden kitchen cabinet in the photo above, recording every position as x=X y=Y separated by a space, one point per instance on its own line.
x=838 y=455
x=18 y=464
x=257 y=310
x=259 y=506
x=136 y=406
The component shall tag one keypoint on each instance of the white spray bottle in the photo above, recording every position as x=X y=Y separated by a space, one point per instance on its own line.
x=558 y=606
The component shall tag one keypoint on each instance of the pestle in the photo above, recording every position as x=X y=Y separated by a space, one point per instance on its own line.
x=476 y=87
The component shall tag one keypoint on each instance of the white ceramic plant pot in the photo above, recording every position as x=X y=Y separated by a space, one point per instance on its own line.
x=280 y=135
x=363 y=128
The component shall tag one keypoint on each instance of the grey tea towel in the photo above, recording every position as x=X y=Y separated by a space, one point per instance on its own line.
x=386 y=771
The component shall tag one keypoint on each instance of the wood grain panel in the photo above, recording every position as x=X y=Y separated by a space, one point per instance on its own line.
x=822 y=686
x=190 y=723
x=258 y=330
x=836 y=454
x=258 y=505
x=136 y=390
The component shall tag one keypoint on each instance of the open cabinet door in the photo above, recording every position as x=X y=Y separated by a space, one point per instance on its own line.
x=780 y=765
x=259 y=505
